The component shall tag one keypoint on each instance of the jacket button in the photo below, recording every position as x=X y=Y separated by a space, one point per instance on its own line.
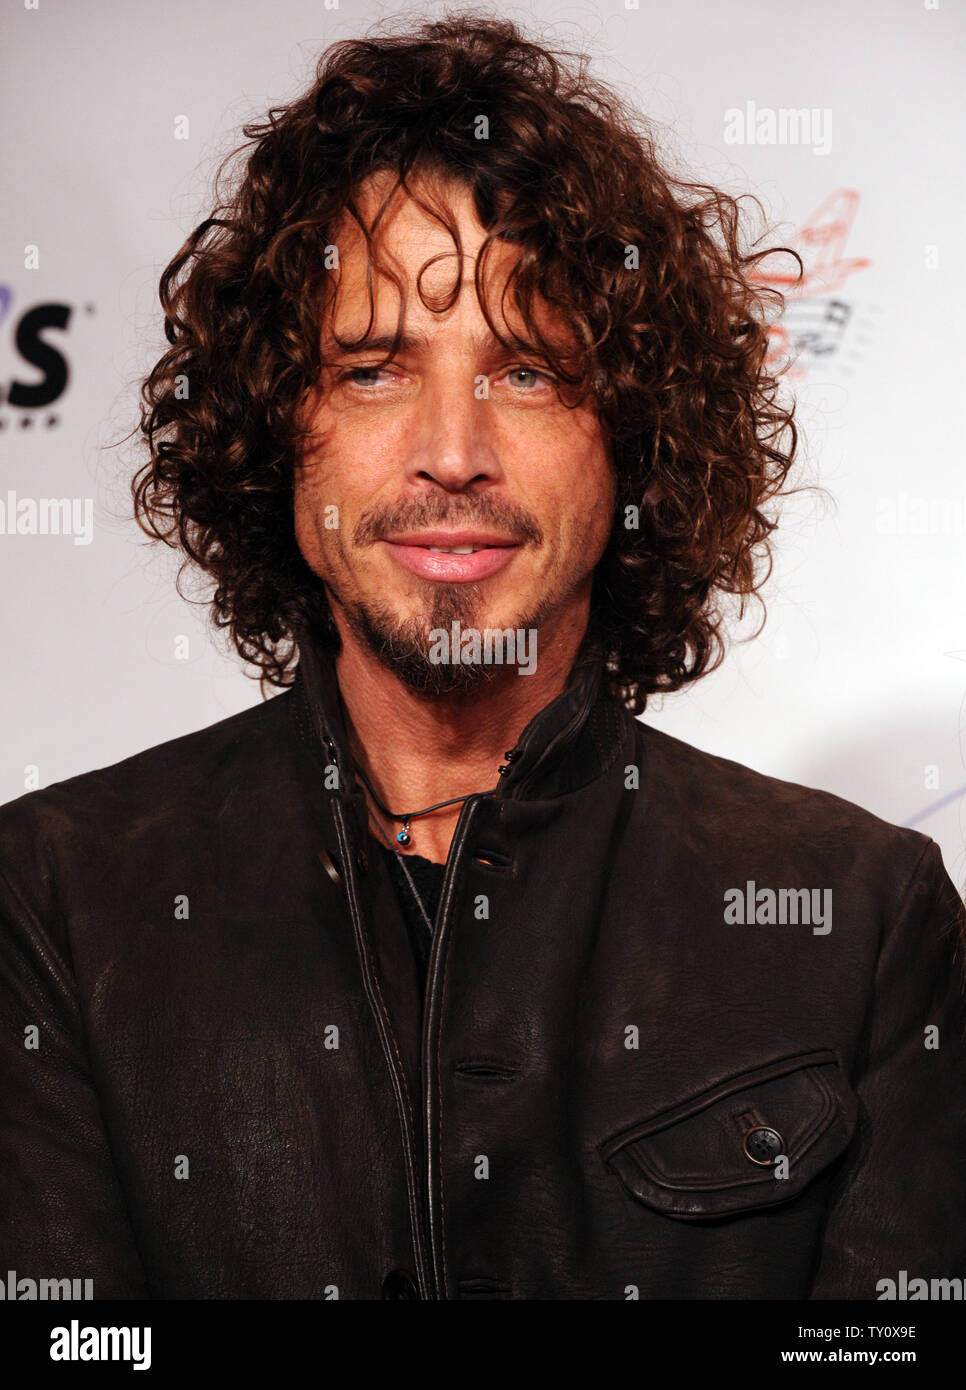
x=399 y=1283
x=763 y=1145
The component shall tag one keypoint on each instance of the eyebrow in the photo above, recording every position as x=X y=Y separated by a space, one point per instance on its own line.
x=412 y=341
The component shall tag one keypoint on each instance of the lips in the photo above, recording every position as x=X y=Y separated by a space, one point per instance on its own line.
x=456 y=557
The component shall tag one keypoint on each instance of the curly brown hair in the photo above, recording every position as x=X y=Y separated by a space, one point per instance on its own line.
x=648 y=270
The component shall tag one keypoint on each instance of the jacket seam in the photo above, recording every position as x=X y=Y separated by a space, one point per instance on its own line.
x=890 y=923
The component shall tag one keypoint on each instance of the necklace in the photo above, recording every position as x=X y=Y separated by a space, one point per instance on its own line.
x=404 y=836
x=409 y=878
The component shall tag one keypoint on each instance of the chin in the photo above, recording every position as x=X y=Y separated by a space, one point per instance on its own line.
x=426 y=678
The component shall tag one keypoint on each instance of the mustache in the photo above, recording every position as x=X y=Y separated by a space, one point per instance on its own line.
x=419 y=513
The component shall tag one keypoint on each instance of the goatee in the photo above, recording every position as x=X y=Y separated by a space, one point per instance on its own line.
x=403 y=645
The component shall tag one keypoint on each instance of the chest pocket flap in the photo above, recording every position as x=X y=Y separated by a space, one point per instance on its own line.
x=754 y=1140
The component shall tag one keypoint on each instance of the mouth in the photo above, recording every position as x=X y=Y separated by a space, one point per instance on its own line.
x=457 y=557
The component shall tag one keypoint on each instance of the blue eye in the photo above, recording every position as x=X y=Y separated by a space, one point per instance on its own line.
x=527 y=372
x=354 y=373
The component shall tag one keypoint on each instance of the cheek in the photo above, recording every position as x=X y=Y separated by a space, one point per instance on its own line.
x=309 y=533
x=355 y=463
x=589 y=519
x=311 y=494
x=321 y=510
x=586 y=489
x=323 y=487
x=303 y=503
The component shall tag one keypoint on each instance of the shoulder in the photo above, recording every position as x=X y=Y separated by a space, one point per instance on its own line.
x=759 y=815
x=199 y=769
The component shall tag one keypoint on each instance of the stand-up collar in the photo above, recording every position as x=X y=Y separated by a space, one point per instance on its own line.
x=568 y=743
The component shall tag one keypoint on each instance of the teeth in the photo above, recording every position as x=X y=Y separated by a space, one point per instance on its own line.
x=455 y=549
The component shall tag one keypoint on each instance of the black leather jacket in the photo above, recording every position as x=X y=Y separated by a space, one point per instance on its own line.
x=219 y=1082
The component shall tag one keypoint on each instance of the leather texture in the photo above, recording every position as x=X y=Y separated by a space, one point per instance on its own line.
x=238 y=1090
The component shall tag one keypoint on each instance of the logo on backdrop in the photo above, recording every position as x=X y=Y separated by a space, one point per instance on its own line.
x=821 y=324
x=32 y=387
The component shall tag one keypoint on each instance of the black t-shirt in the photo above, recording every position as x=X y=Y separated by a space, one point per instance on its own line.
x=428 y=880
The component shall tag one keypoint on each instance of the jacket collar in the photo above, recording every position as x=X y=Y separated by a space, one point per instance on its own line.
x=567 y=744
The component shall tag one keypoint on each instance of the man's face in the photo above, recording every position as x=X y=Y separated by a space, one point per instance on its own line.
x=457 y=443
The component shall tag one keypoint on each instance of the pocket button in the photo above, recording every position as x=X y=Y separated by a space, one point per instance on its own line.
x=763 y=1145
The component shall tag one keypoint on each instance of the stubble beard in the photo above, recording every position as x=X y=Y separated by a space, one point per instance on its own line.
x=403 y=645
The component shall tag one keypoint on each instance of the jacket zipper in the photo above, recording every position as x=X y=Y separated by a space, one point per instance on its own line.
x=437 y=1289
x=416 y=1206
x=382 y=1024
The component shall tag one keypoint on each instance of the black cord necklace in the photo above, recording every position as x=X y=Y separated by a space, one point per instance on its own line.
x=405 y=869
x=404 y=837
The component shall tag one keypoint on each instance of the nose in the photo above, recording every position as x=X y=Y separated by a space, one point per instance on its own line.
x=454 y=445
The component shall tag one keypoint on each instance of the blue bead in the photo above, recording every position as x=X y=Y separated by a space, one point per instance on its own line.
x=403 y=838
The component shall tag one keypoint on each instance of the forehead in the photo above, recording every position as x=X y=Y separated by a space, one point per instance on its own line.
x=402 y=223
x=413 y=244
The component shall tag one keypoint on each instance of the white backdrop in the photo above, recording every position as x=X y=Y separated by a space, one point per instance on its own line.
x=857 y=682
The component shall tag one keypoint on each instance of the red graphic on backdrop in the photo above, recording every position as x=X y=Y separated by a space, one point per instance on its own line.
x=816 y=317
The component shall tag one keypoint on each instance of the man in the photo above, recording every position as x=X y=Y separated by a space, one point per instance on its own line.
x=439 y=975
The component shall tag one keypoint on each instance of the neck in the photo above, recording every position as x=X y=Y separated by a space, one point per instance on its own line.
x=418 y=749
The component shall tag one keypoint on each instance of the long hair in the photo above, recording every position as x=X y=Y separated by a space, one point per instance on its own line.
x=648 y=270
